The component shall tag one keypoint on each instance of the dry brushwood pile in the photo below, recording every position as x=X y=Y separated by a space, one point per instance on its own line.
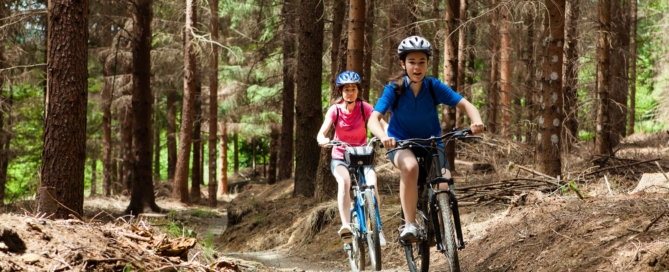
x=29 y=243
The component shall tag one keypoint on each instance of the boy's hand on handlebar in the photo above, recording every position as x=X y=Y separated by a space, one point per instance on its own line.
x=388 y=142
x=477 y=128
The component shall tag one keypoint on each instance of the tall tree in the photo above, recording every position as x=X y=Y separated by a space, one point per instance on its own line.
x=213 y=106
x=196 y=175
x=187 y=109
x=603 y=124
x=451 y=71
x=530 y=91
x=171 y=134
x=618 y=72
x=126 y=138
x=633 y=56
x=156 y=140
x=107 y=120
x=493 y=85
x=550 y=111
x=308 y=114
x=142 y=100
x=235 y=152
x=356 y=36
x=223 y=153
x=273 y=151
x=288 y=95
x=5 y=137
x=369 y=46
x=505 y=70
x=61 y=188
x=94 y=171
x=460 y=80
x=3 y=134
x=436 y=50
x=570 y=76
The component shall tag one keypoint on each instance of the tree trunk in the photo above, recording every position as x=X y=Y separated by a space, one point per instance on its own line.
x=338 y=13
x=436 y=54
x=223 y=154
x=356 y=36
x=213 y=105
x=64 y=150
x=451 y=72
x=308 y=114
x=493 y=88
x=273 y=152
x=5 y=131
x=107 y=158
x=460 y=80
x=603 y=129
x=142 y=100
x=94 y=186
x=570 y=76
x=505 y=72
x=127 y=147
x=235 y=155
x=550 y=114
x=633 y=56
x=117 y=154
x=185 y=133
x=618 y=73
x=530 y=79
x=369 y=46
x=471 y=57
x=253 y=156
x=196 y=175
x=171 y=135
x=287 y=111
x=156 y=141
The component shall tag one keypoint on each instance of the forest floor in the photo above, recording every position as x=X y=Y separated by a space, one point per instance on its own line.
x=513 y=220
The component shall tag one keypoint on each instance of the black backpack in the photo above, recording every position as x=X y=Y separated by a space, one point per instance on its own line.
x=401 y=91
x=362 y=110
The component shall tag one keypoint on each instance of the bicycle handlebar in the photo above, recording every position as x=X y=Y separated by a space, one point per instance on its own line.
x=340 y=143
x=455 y=134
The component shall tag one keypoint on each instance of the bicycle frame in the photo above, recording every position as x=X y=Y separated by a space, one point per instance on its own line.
x=359 y=187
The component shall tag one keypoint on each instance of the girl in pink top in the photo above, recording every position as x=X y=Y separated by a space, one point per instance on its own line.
x=349 y=123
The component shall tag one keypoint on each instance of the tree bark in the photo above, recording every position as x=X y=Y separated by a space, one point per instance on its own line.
x=633 y=57
x=213 y=105
x=171 y=135
x=196 y=175
x=223 y=154
x=493 y=86
x=356 y=36
x=308 y=114
x=436 y=53
x=94 y=186
x=505 y=72
x=618 y=72
x=603 y=126
x=5 y=132
x=369 y=46
x=64 y=151
x=551 y=101
x=287 y=111
x=126 y=132
x=338 y=13
x=235 y=151
x=570 y=76
x=142 y=100
x=106 y=128
x=273 y=152
x=530 y=80
x=451 y=42
x=462 y=38
x=185 y=133
x=156 y=141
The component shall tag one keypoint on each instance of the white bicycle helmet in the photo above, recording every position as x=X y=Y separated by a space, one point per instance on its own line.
x=414 y=44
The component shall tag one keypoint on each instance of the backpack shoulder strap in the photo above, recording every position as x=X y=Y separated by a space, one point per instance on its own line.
x=362 y=110
x=334 y=125
x=398 y=94
x=434 y=97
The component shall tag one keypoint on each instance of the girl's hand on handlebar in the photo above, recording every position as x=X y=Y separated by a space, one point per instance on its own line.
x=477 y=128
x=388 y=142
x=323 y=142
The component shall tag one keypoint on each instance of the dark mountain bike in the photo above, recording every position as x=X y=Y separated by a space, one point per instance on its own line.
x=437 y=213
x=365 y=219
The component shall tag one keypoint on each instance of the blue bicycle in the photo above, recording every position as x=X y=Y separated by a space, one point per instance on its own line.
x=365 y=219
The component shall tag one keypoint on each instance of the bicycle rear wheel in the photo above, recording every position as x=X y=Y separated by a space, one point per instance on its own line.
x=373 y=243
x=418 y=254
x=448 y=232
x=356 y=251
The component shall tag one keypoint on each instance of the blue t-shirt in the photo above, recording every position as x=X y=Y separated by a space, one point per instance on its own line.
x=416 y=116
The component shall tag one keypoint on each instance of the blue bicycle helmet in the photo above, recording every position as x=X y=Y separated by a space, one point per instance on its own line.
x=348 y=77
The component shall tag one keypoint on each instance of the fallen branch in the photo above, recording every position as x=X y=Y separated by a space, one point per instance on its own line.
x=136 y=237
x=654 y=221
x=661 y=170
x=621 y=166
x=608 y=185
x=512 y=165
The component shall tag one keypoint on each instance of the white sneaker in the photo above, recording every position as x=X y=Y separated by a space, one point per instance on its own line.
x=410 y=233
x=345 y=234
x=382 y=239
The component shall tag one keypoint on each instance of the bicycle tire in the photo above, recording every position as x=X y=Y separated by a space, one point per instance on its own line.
x=418 y=254
x=448 y=232
x=356 y=256
x=373 y=243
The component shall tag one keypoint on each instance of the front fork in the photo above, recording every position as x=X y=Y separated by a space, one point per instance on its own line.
x=454 y=209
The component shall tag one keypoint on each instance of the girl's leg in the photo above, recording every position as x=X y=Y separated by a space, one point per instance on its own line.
x=343 y=193
x=370 y=175
x=405 y=160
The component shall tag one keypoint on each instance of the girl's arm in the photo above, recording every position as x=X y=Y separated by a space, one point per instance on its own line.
x=473 y=114
x=325 y=128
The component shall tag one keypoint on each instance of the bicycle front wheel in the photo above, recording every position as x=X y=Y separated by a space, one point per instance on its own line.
x=373 y=243
x=356 y=250
x=448 y=231
x=418 y=254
